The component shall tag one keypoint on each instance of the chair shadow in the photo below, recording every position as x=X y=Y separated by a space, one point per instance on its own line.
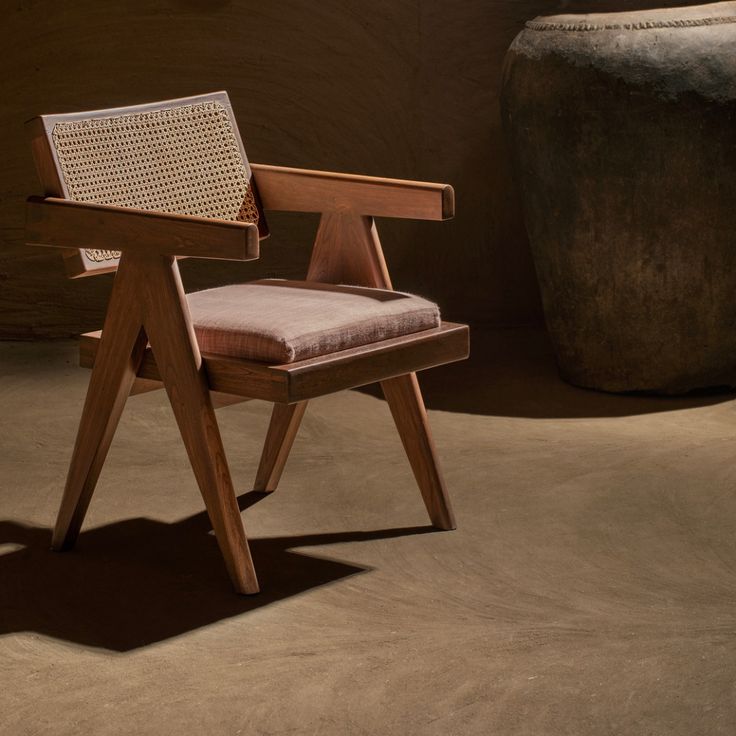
x=140 y=581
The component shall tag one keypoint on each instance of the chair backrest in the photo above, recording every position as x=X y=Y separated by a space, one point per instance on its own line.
x=183 y=156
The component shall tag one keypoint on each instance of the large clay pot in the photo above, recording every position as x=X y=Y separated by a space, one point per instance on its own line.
x=623 y=130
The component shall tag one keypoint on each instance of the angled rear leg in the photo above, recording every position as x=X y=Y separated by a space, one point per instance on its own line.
x=121 y=350
x=166 y=318
x=407 y=407
x=285 y=421
x=348 y=250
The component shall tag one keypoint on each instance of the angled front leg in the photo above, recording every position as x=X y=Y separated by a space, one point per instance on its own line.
x=121 y=350
x=402 y=393
x=407 y=408
x=285 y=421
x=348 y=250
x=169 y=329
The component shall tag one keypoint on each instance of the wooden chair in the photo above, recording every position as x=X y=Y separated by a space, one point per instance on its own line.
x=132 y=189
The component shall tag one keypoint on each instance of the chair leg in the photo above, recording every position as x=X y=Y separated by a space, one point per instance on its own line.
x=285 y=421
x=407 y=407
x=177 y=356
x=120 y=353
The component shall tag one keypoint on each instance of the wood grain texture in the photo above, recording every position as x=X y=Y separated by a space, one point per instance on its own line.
x=120 y=354
x=348 y=249
x=307 y=379
x=148 y=302
x=219 y=399
x=397 y=88
x=48 y=175
x=63 y=223
x=402 y=392
x=282 y=431
x=43 y=158
x=407 y=408
x=307 y=190
x=358 y=367
x=170 y=331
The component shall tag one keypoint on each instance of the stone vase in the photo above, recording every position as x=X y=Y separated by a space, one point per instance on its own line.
x=623 y=132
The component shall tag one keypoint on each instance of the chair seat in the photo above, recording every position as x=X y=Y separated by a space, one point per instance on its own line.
x=279 y=321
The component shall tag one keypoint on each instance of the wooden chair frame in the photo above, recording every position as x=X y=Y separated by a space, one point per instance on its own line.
x=148 y=341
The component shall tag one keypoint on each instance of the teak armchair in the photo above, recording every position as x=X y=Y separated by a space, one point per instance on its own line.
x=168 y=180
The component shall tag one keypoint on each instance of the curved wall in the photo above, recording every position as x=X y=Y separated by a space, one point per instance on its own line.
x=400 y=88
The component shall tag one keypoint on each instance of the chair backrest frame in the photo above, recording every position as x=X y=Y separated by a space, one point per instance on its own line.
x=81 y=262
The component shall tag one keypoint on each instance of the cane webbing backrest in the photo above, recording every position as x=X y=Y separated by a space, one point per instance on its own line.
x=182 y=156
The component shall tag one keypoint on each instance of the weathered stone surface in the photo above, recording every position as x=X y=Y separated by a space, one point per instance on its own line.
x=622 y=127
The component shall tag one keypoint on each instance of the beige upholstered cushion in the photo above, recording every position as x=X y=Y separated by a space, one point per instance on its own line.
x=284 y=321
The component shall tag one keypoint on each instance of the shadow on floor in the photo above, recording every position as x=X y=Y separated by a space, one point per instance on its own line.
x=140 y=581
x=513 y=373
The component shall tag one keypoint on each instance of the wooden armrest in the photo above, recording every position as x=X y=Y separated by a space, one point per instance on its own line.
x=303 y=190
x=64 y=223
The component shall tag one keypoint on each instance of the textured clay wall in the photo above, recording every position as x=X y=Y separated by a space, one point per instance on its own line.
x=400 y=88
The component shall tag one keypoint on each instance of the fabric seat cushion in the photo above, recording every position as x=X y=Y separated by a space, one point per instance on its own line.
x=279 y=321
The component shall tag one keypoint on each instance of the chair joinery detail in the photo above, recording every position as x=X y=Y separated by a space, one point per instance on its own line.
x=148 y=304
x=148 y=340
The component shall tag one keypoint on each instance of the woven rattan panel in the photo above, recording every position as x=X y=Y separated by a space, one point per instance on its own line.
x=183 y=159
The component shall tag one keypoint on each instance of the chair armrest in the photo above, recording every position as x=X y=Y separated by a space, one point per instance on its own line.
x=303 y=190
x=64 y=223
